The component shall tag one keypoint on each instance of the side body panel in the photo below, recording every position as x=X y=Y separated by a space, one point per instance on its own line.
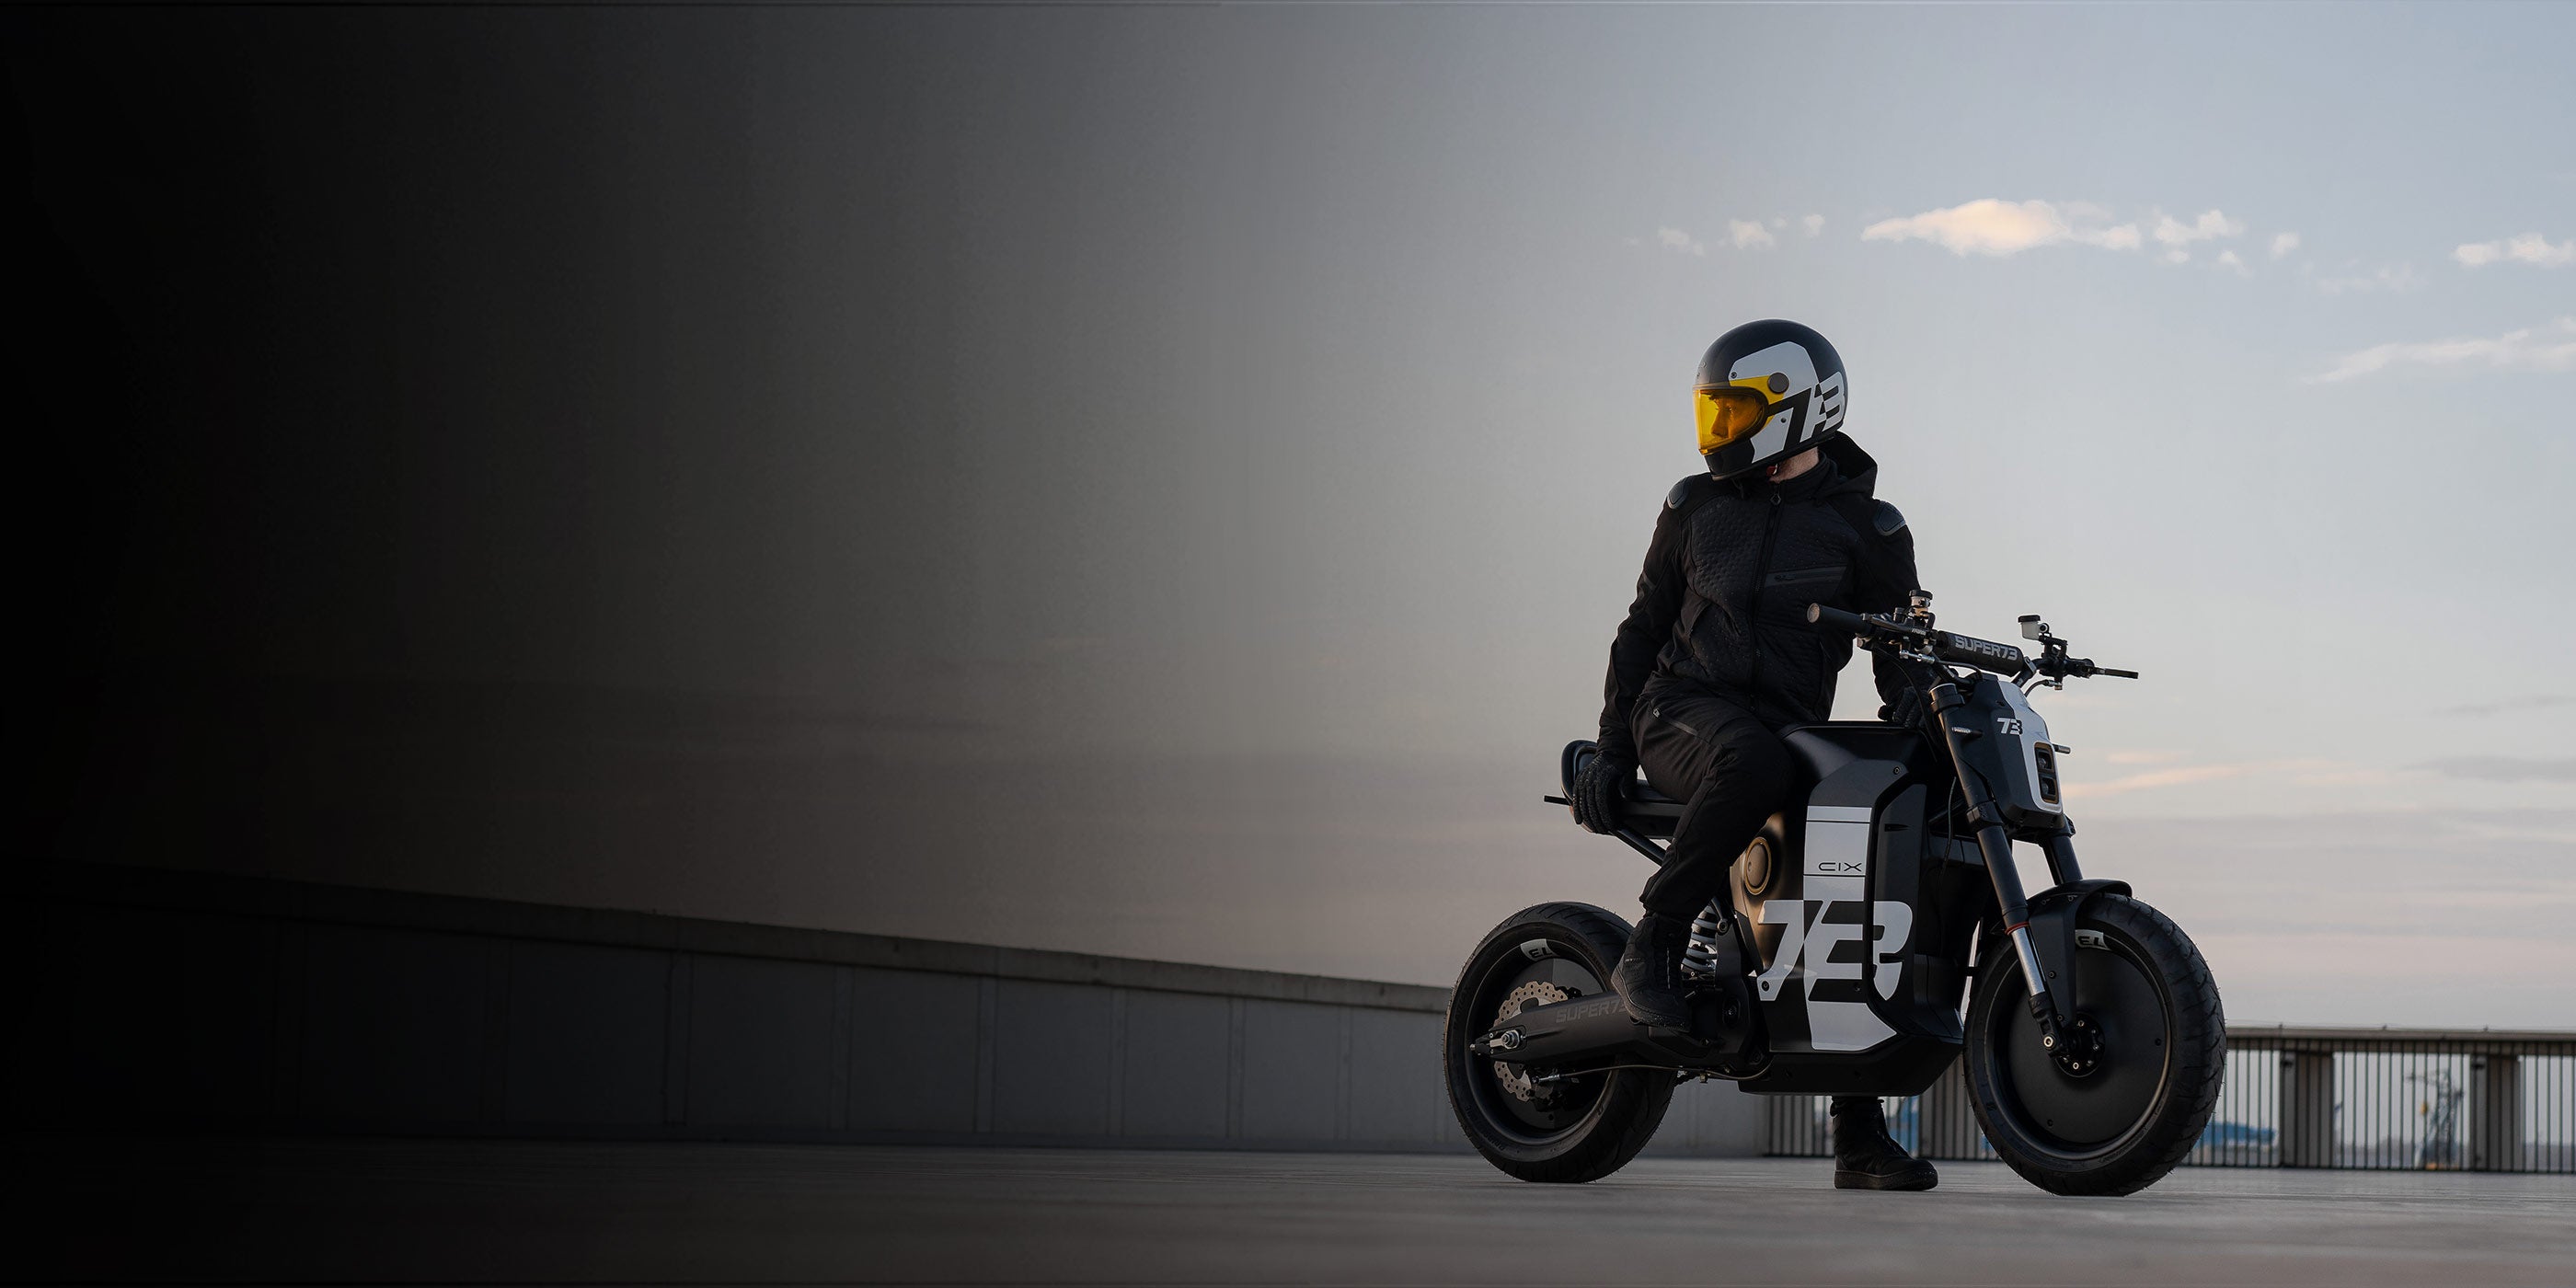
x=1859 y=928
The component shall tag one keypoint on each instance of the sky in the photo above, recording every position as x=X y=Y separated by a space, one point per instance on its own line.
x=1160 y=481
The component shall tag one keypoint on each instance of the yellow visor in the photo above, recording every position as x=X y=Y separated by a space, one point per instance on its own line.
x=1728 y=413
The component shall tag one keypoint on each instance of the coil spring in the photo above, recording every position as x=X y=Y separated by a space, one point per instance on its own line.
x=1700 y=959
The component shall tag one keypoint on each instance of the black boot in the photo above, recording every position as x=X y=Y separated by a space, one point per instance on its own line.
x=1866 y=1157
x=1649 y=977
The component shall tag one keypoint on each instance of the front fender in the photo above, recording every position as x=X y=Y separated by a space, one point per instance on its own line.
x=2053 y=913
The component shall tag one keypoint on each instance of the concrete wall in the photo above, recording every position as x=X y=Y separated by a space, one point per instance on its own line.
x=196 y=1001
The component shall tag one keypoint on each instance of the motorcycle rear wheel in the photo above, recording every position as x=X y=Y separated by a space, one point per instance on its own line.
x=1578 y=1130
x=2127 y=1117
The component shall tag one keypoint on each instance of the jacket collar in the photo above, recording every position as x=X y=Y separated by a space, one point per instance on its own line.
x=1844 y=468
x=1858 y=469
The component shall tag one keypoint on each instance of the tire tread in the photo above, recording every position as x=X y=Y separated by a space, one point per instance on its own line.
x=2200 y=1061
x=1639 y=1098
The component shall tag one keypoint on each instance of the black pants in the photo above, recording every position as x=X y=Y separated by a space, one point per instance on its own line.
x=1734 y=774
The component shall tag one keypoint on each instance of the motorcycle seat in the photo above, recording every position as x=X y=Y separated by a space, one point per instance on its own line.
x=1650 y=812
x=1815 y=750
x=1641 y=792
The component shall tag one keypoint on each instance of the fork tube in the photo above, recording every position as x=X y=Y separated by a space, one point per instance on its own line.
x=2061 y=859
x=1996 y=845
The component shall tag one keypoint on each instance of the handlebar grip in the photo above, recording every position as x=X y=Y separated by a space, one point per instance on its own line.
x=1849 y=623
x=2085 y=666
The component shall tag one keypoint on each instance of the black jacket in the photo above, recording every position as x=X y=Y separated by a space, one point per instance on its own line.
x=1722 y=603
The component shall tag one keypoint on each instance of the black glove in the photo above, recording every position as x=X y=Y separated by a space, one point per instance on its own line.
x=1600 y=792
x=1906 y=712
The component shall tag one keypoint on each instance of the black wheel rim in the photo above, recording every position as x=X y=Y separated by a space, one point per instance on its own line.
x=1564 y=1106
x=2095 y=1113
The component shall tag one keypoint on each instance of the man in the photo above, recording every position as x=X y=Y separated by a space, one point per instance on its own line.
x=1716 y=656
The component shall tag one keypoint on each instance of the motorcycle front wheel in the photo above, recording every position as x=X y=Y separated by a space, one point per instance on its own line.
x=2114 y=1118
x=1569 y=1130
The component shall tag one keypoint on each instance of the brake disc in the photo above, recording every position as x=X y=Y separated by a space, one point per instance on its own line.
x=1515 y=1078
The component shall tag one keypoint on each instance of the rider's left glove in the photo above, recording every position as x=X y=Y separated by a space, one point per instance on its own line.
x=1906 y=712
x=1600 y=792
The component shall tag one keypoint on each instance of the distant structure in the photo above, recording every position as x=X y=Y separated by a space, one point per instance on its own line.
x=2440 y=1150
x=2229 y=1134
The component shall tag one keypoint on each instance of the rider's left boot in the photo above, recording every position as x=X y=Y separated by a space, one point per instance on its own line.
x=1866 y=1157
x=1648 y=978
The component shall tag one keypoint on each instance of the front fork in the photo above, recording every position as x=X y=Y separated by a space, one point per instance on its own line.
x=2050 y=1007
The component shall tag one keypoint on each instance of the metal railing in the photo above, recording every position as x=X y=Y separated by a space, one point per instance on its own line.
x=2393 y=1099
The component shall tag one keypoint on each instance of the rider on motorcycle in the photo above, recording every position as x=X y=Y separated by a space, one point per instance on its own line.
x=1716 y=656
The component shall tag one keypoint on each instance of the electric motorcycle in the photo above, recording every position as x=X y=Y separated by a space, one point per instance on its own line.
x=1837 y=960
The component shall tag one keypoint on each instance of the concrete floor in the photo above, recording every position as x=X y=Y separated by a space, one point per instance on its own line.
x=545 y=1213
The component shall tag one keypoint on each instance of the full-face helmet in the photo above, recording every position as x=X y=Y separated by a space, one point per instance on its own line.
x=1767 y=391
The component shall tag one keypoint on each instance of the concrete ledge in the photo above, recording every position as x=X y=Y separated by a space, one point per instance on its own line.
x=198 y=892
x=196 y=1003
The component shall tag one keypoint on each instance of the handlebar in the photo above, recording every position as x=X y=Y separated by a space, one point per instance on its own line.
x=1949 y=646
x=1848 y=623
x=1963 y=650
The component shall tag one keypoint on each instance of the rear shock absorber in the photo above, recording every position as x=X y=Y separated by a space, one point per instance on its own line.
x=1699 y=961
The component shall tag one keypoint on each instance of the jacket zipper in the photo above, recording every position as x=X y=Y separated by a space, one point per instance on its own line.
x=1761 y=574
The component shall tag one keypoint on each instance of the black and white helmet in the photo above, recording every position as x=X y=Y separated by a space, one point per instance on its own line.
x=1767 y=390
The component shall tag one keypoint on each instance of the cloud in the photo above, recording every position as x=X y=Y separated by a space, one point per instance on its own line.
x=2529 y=248
x=1988 y=226
x=2537 y=703
x=2228 y=259
x=2182 y=774
x=2397 y=279
x=2153 y=778
x=2177 y=256
x=1814 y=224
x=2550 y=348
x=2351 y=777
x=2507 y=769
x=2491 y=832
x=2210 y=226
x=1746 y=234
x=1675 y=239
x=2284 y=243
